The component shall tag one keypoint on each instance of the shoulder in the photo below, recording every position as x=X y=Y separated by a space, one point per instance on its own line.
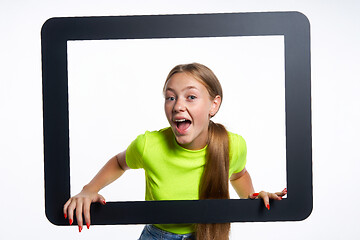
x=161 y=134
x=153 y=137
x=237 y=146
x=237 y=153
x=145 y=145
x=236 y=140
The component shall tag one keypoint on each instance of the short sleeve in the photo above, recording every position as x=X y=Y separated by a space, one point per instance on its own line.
x=134 y=153
x=237 y=153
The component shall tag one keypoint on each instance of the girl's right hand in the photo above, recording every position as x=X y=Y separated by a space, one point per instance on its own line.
x=81 y=203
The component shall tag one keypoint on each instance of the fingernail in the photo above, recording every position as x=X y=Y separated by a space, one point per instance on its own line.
x=280 y=198
x=104 y=202
x=65 y=215
x=88 y=225
x=285 y=190
x=70 y=221
x=268 y=207
x=255 y=194
x=80 y=228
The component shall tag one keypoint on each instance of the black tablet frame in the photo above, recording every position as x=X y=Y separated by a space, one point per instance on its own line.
x=295 y=28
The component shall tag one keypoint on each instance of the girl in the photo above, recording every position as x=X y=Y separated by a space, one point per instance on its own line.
x=192 y=159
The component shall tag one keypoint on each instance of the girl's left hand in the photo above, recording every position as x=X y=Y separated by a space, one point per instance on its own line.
x=266 y=196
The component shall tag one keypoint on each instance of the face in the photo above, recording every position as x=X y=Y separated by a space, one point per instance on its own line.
x=188 y=108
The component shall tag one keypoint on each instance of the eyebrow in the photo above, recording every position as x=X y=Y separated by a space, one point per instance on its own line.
x=186 y=88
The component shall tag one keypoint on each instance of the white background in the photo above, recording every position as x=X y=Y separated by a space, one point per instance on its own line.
x=335 y=115
x=115 y=93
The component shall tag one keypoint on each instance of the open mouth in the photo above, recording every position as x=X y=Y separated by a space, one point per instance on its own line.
x=182 y=125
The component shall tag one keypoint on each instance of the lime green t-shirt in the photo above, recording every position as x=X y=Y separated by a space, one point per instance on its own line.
x=173 y=172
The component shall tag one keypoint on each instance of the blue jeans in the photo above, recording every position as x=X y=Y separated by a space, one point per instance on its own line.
x=151 y=232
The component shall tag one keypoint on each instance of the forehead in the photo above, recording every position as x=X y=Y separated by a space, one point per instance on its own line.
x=182 y=81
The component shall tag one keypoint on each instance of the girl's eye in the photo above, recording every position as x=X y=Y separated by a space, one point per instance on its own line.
x=191 y=97
x=170 y=98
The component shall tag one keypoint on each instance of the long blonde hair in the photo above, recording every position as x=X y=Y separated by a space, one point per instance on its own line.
x=215 y=179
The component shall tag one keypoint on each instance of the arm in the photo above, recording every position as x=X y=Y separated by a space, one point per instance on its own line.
x=242 y=183
x=112 y=170
x=243 y=186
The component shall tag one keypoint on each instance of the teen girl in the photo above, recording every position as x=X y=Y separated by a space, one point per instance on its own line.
x=192 y=159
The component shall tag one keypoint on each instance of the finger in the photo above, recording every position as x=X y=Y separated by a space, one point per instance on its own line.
x=70 y=211
x=253 y=195
x=100 y=199
x=86 y=210
x=79 y=208
x=282 y=193
x=265 y=197
x=274 y=196
x=65 y=209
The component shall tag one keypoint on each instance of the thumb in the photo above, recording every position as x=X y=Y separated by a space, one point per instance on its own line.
x=253 y=195
x=100 y=199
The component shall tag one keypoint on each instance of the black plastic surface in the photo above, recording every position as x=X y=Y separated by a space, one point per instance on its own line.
x=293 y=26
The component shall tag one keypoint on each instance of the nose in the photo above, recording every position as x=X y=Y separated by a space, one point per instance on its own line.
x=179 y=106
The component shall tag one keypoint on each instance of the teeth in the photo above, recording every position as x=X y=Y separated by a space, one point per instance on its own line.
x=180 y=120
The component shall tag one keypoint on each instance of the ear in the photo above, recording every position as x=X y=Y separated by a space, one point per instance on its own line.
x=215 y=105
